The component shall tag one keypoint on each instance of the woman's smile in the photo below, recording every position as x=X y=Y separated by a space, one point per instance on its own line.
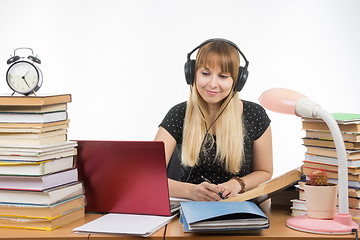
x=213 y=84
x=211 y=92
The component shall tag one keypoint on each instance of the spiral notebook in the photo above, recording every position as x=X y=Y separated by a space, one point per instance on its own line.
x=124 y=176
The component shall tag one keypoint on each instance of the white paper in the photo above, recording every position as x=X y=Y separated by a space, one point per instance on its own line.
x=125 y=224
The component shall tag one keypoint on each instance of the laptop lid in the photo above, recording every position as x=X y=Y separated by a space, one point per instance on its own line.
x=124 y=176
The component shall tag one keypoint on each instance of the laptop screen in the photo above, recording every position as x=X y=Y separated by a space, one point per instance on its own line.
x=124 y=176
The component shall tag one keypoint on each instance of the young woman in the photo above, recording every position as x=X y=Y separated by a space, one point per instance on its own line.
x=226 y=142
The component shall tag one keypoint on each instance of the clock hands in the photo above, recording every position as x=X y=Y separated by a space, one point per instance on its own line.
x=23 y=77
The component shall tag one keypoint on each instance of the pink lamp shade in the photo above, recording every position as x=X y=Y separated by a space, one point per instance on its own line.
x=287 y=101
x=280 y=100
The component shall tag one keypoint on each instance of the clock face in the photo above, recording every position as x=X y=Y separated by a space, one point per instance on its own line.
x=23 y=77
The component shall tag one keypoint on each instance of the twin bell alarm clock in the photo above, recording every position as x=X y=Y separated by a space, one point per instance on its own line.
x=24 y=76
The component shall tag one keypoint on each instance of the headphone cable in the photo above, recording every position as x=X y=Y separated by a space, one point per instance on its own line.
x=207 y=131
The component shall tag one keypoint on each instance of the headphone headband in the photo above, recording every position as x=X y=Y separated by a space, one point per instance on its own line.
x=220 y=40
x=189 y=67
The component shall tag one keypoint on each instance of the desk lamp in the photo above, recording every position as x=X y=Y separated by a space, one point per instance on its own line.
x=287 y=101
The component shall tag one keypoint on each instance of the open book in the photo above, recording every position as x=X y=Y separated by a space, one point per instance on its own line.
x=268 y=189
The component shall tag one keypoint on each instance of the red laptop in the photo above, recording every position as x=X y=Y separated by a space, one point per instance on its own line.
x=124 y=177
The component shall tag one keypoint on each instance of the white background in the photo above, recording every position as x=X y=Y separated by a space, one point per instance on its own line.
x=122 y=60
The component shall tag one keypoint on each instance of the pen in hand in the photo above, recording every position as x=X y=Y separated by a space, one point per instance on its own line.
x=205 y=179
x=208 y=181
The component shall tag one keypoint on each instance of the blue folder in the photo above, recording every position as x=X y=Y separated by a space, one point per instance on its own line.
x=222 y=216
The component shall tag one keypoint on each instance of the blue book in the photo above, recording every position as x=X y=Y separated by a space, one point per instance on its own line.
x=222 y=216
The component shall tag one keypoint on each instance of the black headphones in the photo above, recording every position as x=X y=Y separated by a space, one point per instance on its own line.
x=16 y=57
x=189 y=67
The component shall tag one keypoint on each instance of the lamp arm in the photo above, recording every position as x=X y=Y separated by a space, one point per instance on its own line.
x=342 y=159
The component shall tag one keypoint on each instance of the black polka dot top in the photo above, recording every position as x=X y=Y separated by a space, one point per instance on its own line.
x=255 y=121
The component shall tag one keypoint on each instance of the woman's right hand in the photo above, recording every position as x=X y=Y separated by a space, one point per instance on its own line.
x=206 y=192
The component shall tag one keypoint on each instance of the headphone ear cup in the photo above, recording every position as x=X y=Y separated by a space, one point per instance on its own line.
x=13 y=59
x=189 y=70
x=242 y=77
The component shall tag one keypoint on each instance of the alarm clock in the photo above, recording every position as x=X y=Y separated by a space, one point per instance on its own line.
x=23 y=75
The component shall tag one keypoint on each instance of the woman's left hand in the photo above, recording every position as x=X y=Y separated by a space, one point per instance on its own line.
x=230 y=188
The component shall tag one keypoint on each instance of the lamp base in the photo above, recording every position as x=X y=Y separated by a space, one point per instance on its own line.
x=341 y=224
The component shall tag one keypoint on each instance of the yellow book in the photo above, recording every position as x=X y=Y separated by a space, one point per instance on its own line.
x=40 y=223
x=36 y=126
x=332 y=174
x=8 y=100
x=47 y=212
x=329 y=143
x=347 y=136
x=19 y=168
x=329 y=167
x=322 y=126
x=331 y=152
x=35 y=109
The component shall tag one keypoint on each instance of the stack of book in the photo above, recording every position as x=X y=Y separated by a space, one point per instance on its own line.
x=39 y=187
x=321 y=154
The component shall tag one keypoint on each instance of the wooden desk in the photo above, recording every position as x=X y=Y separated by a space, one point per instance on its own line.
x=276 y=213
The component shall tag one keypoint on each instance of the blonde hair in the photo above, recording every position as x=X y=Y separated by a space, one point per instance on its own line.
x=229 y=127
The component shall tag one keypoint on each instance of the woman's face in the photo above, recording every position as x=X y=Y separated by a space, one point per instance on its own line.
x=213 y=85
